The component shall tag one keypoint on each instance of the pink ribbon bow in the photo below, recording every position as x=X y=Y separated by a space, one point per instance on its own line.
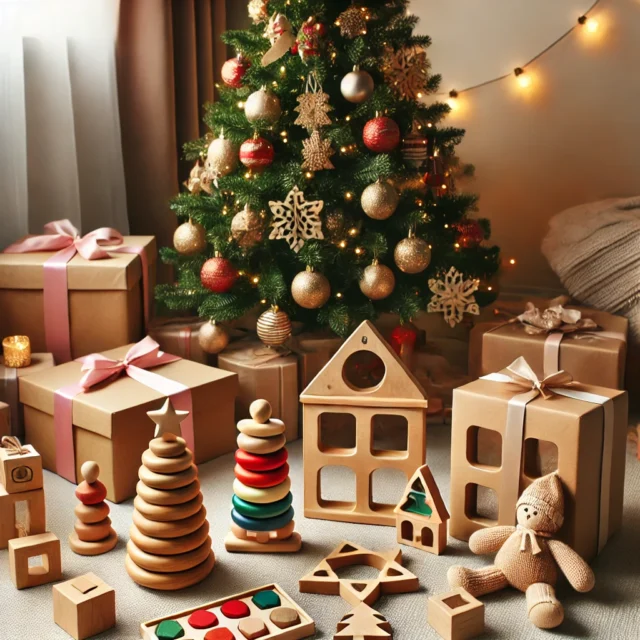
x=97 y=369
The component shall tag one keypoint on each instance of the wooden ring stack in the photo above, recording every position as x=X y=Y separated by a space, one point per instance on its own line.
x=262 y=515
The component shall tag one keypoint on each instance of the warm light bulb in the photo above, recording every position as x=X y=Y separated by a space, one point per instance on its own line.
x=343 y=149
x=342 y=244
x=523 y=79
x=358 y=250
x=338 y=295
x=263 y=301
x=353 y=231
x=591 y=25
x=308 y=175
x=512 y=261
x=452 y=101
x=255 y=279
x=348 y=195
x=456 y=245
x=283 y=69
x=240 y=104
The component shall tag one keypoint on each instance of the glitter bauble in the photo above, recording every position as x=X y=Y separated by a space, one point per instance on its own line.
x=414 y=150
x=218 y=275
x=273 y=327
x=470 y=233
x=222 y=156
x=310 y=289
x=412 y=255
x=334 y=222
x=381 y=134
x=379 y=200
x=233 y=71
x=256 y=153
x=247 y=227
x=190 y=238
x=357 y=86
x=377 y=281
x=262 y=105
x=212 y=338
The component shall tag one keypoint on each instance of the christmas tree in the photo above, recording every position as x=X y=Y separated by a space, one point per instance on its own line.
x=326 y=186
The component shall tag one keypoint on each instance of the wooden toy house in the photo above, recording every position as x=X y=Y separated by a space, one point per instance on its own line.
x=421 y=515
x=364 y=411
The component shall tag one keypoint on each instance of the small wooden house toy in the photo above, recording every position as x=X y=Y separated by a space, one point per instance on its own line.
x=44 y=546
x=364 y=411
x=421 y=515
x=456 y=615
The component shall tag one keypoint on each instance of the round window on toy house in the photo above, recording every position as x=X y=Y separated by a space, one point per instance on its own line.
x=363 y=370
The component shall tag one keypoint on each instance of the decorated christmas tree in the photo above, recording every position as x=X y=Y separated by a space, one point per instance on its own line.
x=327 y=184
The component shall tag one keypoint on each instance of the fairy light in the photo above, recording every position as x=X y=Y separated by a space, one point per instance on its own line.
x=359 y=251
x=452 y=101
x=247 y=175
x=275 y=83
x=285 y=139
x=522 y=78
x=512 y=261
x=283 y=134
x=283 y=70
x=240 y=104
x=429 y=125
x=590 y=24
x=347 y=119
x=338 y=295
x=446 y=226
x=343 y=149
x=263 y=301
x=348 y=195
x=342 y=244
x=240 y=273
x=457 y=245
x=353 y=232
x=308 y=175
x=255 y=279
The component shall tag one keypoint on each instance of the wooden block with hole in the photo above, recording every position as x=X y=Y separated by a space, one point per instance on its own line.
x=385 y=410
x=456 y=615
x=84 y=606
x=44 y=547
x=20 y=472
x=21 y=513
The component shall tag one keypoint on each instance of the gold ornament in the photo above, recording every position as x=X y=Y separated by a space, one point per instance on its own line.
x=316 y=153
x=222 y=156
x=273 y=327
x=313 y=106
x=377 y=281
x=295 y=220
x=405 y=71
x=247 y=227
x=262 y=105
x=353 y=22
x=334 y=222
x=212 y=338
x=190 y=238
x=310 y=289
x=453 y=296
x=379 y=200
x=258 y=11
x=412 y=255
x=199 y=179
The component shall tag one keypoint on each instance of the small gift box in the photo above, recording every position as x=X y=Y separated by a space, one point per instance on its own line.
x=591 y=344
x=5 y=420
x=77 y=295
x=510 y=428
x=179 y=336
x=267 y=374
x=95 y=409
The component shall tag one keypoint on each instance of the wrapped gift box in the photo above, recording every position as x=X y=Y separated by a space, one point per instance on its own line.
x=5 y=420
x=110 y=424
x=314 y=350
x=105 y=297
x=180 y=337
x=493 y=460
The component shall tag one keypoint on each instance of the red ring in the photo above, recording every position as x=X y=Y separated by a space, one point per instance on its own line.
x=257 y=462
x=264 y=479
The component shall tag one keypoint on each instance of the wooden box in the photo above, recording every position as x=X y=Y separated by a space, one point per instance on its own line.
x=20 y=472
x=45 y=545
x=21 y=513
x=456 y=615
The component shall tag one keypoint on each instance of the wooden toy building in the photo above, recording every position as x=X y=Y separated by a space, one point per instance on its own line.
x=365 y=411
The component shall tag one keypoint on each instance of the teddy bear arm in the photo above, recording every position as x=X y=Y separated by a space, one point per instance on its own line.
x=489 y=540
x=577 y=571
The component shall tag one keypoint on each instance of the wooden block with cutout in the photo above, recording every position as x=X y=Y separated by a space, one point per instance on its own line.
x=20 y=472
x=20 y=514
x=456 y=615
x=43 y=545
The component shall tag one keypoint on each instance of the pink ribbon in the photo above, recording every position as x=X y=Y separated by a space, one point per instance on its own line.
x=63 y=238
x=98 y=369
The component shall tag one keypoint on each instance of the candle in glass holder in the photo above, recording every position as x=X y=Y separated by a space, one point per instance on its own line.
x=16 y=351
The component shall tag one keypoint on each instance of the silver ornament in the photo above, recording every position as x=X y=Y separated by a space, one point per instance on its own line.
x=262 y=105
x=379 y=200
x=357 y=86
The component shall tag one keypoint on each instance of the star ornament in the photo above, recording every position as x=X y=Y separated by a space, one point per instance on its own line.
x=405 y=71
x=295 y=220
x=313 y=108
x=167 y=421
x=453 y=296
x=316 y=153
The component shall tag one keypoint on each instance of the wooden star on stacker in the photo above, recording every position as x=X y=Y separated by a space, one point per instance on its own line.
x=316 y=153
x=168 y=421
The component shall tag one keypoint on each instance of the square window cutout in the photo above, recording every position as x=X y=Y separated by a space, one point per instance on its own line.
x=337 y=487
x=337 y=432
x=389 y=435
x=38 y=565
x=481 y=504
x=484 y=447
x=540 y=457
x=387 y=487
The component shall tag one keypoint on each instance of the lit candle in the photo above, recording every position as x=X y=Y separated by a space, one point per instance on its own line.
x=17 y=351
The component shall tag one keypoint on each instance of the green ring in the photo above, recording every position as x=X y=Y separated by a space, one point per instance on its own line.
x=268 y=510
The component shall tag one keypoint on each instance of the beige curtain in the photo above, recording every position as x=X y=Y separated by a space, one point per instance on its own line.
x=169 y=55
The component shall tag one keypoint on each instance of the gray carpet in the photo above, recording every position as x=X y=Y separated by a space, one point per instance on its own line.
x=610 y=611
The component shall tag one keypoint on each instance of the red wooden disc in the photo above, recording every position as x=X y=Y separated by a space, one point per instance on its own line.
x=91 y=493
x=203 y=619
x=235 y=609
x=219 y=634
x=256 y=462
x=261 y=479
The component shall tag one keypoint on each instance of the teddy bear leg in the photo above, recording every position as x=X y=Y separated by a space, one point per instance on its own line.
x=543 y=608
x=477 y=581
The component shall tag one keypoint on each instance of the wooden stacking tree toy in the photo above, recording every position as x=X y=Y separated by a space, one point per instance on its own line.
x=93 y=533
x=262 y=514
x=170 y=547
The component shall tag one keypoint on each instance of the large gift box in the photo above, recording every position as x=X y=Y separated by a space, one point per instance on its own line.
x=589 y=343
x=97 y=410
x=77 y=295
x=539 y=427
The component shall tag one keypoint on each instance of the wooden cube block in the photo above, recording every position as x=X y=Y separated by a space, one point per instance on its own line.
x=456 y=615
x=84 y=606
x=20 y=473
x=25 y=510
x=45 y=545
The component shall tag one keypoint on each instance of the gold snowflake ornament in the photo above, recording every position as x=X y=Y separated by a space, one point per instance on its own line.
x=405 y=71
x=316 y=153
x=313 y=109
x=295 y=220
x=453 y=296
x=353 y=22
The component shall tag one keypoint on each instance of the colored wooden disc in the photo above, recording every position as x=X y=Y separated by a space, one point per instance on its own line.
x=169 y=630
x=168 y=448
x=268 y=429
x=166 y=465
x=164 y=496
x=203 y=619
x=93 y=532
x=169 y=546
x=169 y=564
x=284 y=617
x=266 y=524
x=175 y=529
x=235 y=609
x=169 y=481
x=83 y=548
x=219 y=634
x=261 y=478
x=269 y=510
x=167 y=513
x=263 y=536
x=89 y=513
x=91 y=493
x=260 y=445
x=261 y=496
x=256 y=462
x=266 y=599
x=252 y=628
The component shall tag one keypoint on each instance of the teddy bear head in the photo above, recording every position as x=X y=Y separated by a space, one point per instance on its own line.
x=541 y=505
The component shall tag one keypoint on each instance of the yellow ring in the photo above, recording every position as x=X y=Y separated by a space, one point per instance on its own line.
x=261 y=496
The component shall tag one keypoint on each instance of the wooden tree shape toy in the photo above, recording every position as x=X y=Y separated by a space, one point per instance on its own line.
x=262 y=514
x=421 y=515
x=93 y=533
x=397 y=395
x=170 y=547
x=363 y=623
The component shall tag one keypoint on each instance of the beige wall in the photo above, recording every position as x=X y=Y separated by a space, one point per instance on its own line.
x=575 y=137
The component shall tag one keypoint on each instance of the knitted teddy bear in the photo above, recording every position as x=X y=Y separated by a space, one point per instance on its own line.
x=527 y=555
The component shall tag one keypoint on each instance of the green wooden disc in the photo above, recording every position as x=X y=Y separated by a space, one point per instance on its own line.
x=269 y=510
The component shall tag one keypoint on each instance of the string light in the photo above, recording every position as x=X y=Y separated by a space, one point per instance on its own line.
x=512 y=261
x=255 y=279
x=308 y=175
x=342 y=244
x=263 y=301
x=358 y=251
x=240 y=104
x=452 y=101
x=590 y=24
x=523 y=79
x=283 y=69
x=338 y=295
x=353 y=231
x=348 y=195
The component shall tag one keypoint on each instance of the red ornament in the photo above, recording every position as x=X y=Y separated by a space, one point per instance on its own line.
x=470 y=233
x=256 y=153
x=218 y=275
x=403 y=341
x=233 y=71
x=381 y=134
x=308 y=40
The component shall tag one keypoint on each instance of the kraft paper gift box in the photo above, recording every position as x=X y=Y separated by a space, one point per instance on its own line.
x=314 y=350
x=179 y=336
x=493 y=460
x=108 y=423
x=5 y=420
x=593 y=357
x=105 y=298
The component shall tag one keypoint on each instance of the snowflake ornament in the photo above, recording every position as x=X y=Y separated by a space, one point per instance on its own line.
x=313 y=110
x=317 y=153
x=453 y=296
x=353 y=22
x=405 y=71
x=296 y=220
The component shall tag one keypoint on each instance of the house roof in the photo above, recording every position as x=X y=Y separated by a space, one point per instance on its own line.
x=425 y=479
